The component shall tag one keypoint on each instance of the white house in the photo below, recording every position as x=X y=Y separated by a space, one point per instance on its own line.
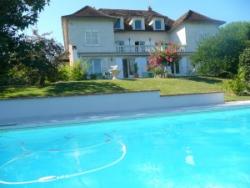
x=107 y=37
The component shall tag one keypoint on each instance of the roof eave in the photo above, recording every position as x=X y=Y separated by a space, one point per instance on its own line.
x=74 y=16
x=217 y=22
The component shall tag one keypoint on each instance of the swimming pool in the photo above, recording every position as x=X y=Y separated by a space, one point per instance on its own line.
x=193 y=149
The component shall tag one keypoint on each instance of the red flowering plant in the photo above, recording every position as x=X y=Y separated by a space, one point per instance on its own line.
x=172 y=53
x=163 y=56
x=155 y=59
x=155 y=63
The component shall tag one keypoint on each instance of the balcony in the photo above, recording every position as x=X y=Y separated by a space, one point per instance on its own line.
x=137 y=49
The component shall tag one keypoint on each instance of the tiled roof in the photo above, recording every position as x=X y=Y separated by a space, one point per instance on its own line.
x=192 y=16
x=88 y=11
x=148 y=15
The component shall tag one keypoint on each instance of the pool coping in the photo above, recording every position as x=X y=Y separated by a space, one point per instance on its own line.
x=102 y=94
x=92 y=118
x=17 y=111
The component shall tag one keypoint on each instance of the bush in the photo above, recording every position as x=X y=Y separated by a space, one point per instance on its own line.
x=78 y=71
x=96 y=76
x=19 y=75
x=245 y=63
x=158 y=71
x=225 y=74
x=238 y=85
x=64 y=73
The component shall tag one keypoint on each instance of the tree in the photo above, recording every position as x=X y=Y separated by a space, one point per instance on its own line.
x=219 y=55
x=42 y=55
x=16 y=15
x=245 y=63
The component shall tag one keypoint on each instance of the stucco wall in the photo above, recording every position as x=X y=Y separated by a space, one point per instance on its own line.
x=78 y=27
x=189 y=34
x=178 y=35
x=196 y=32
x=16 y=111
x=185 y=65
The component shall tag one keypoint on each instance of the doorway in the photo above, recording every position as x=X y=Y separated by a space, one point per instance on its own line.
x=139 y=46
x=128 y=67
x=125 y=68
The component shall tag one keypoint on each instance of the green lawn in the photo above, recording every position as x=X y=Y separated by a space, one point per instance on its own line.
x=168 y=86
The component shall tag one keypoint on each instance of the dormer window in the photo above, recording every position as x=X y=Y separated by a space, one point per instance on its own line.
x=117 y=24
x=138 y=25
x=158 y=25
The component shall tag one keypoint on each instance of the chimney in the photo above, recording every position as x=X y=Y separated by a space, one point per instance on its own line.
x=150 y=8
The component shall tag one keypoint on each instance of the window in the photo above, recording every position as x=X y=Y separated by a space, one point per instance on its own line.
x=140 y=43
x=139 y=46
x=119 y=45
x=118 y=24
x=95 y=66
x=138 y=24
x=158 y=25
x=92 y=38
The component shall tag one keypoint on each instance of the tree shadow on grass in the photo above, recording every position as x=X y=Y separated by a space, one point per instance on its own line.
x=84 y=88
x=209 y=80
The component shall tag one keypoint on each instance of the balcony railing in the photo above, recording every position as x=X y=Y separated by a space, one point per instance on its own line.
x=139 y=48
x=134 y=48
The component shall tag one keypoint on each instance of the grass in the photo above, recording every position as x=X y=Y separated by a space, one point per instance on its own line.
x=168 y=86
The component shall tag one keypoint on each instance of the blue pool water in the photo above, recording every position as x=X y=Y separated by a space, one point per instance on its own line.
x=208 y=149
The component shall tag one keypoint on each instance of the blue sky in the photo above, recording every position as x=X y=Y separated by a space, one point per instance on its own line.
x=227 y=10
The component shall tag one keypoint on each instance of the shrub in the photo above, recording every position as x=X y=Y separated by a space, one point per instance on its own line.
x=79 y=70
x=96 y=76
x=158 y=71
x=238 y=85
x=76 y=72
x=64 y=73
x=92 y=76
x=19 y=75
x=245 y=63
